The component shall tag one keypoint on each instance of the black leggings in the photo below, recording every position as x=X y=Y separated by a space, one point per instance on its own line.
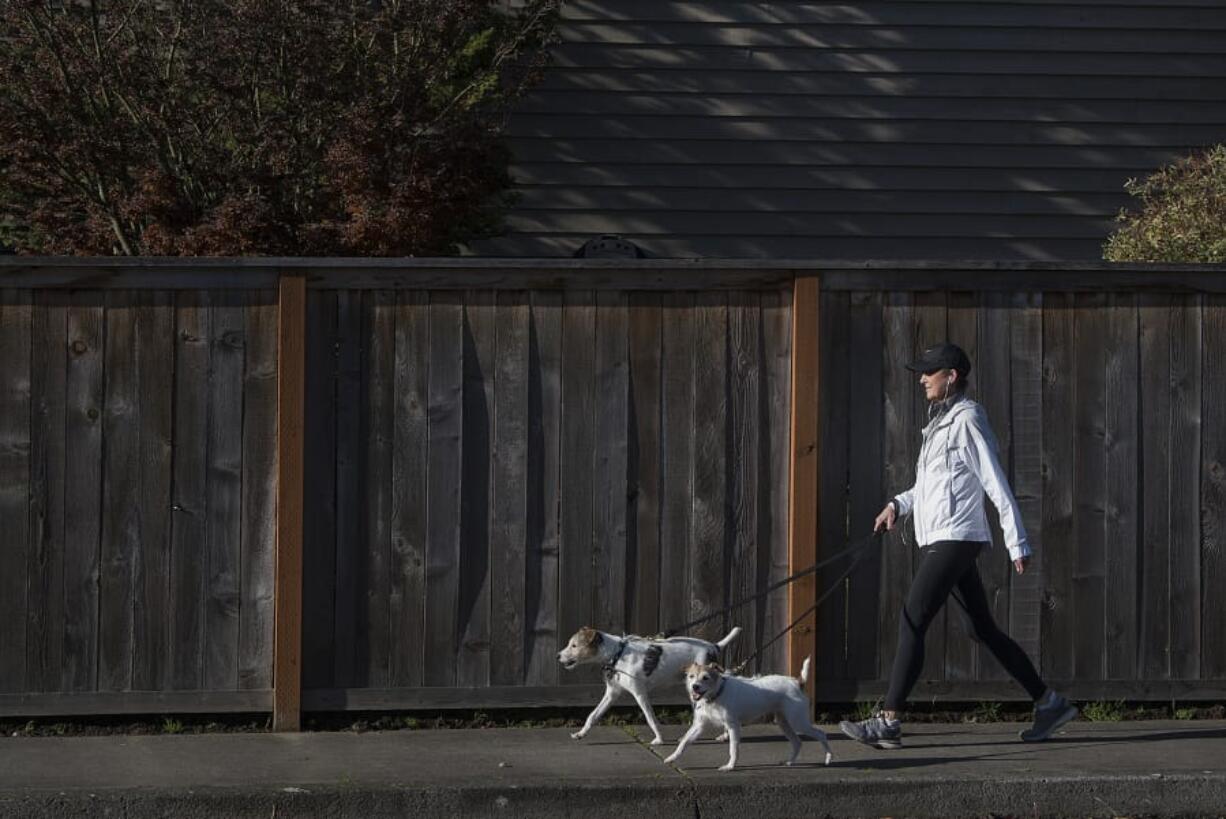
x=949 y=566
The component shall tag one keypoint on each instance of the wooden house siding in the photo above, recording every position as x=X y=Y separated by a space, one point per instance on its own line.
x=858 y=130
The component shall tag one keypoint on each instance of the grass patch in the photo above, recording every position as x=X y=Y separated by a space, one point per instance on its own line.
x=986 y=712
x=1103 y=711
x=170 y=725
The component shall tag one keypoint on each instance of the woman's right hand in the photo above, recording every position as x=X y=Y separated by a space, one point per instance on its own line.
x=886 y=518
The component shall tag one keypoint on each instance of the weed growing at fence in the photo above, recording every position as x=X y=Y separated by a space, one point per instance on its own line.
x=1185 y=713
x=1103 y=711
x=985 y=712
x=171 y=725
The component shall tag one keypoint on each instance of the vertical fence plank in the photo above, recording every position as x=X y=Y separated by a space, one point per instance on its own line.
x=866 y=495
x=898 y=455
x=410 y=446
x=643 y=460
x=319 y=491
x=473 y=660
x=710 y=543
x=1026 y=349
x=612 y=423
x=350 y=487
x=1089 y=488
x=155 y=329
x=15 y=486
x=575 y=605
x=1120 y=559
x=82 y=516
x=775 y=415
x=508 y=532
x=1213 y=488
x=830 y=661
x=45 y=554
x=225 y=469
x=120 y=544
x=931 y=327
x=189 y=520
x=1059 y=455
x=544 y=490
x=960 y=653
x=259 y=492
x=379 y=368
x=990 y=378
x=804 y=459
x=446 y=418
x=290 y=422
x=1155 y=414
x=746 y=572
x=1185 y=509
x=677 y=467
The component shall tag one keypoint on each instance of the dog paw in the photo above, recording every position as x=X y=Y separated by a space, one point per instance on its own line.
x=669 y=760
x=578 y=735
x=658 y=741
x=722 y=737
x=727 y=767
x=828 y=758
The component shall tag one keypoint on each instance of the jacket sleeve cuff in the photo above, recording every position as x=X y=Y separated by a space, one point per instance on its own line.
x=902 y=505
x=1017 y=550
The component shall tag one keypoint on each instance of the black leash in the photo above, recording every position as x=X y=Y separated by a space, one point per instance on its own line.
x=830 y=590
x=839 y=555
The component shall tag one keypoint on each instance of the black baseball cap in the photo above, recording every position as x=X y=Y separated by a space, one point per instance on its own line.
x=943 y=356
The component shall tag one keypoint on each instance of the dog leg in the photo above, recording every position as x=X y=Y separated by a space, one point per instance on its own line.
x=645 y=705
x=734 y=744
x=599 y=711
x=793 y=738
x=817 y=733
x=688 y=737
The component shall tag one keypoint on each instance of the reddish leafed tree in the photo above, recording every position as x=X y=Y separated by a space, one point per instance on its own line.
x=260 y=126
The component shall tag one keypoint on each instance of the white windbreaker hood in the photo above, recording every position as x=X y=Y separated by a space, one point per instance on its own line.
x=957 y=466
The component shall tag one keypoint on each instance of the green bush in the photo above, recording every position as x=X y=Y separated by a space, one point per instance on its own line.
x=1182 y=217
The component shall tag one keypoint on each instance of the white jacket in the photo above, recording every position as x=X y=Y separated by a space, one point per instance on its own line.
x=957 y=465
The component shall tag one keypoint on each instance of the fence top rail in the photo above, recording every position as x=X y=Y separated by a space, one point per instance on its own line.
x=246 y=273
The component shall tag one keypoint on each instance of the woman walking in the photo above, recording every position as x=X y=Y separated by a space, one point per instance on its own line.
x=957 y=466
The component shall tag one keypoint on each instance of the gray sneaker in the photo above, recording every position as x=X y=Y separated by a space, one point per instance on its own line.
x=1048 y=719
x=876 y=731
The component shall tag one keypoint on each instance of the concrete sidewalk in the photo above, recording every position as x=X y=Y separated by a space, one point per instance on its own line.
x=1101 y=769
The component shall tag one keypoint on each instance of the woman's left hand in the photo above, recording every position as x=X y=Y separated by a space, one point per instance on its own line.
x=1020 y=564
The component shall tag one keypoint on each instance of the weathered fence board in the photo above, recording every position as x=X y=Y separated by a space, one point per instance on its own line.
x=544 y=535
x=1213 y=487
x=1122 y=513
x=409 y=490
x=1088 y=587
x=15 y=452
x=643 y=586
x=1057 y=616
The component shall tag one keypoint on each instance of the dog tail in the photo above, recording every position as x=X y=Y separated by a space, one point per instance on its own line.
x=732 y=635
x=804 y=672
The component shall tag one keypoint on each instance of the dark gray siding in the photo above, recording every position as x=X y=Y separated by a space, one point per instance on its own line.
x=883 y=129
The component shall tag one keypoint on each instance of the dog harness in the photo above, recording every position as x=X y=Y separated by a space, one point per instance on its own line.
x=610 y=668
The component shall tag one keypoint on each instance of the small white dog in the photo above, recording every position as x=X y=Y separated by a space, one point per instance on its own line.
x=636 y=665
x=722 y=699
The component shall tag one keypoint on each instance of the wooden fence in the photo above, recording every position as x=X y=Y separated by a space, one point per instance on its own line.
x=474 y=458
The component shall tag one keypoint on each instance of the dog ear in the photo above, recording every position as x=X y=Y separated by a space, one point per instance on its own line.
x=590 y=636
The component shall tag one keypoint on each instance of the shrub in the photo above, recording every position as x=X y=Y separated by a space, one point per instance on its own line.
x=1182 y=216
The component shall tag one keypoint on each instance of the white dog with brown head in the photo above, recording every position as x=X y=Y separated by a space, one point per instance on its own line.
x=724 y=700
x=636 y=665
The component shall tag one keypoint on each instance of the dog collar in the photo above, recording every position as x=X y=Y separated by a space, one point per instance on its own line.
x=714 y=696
